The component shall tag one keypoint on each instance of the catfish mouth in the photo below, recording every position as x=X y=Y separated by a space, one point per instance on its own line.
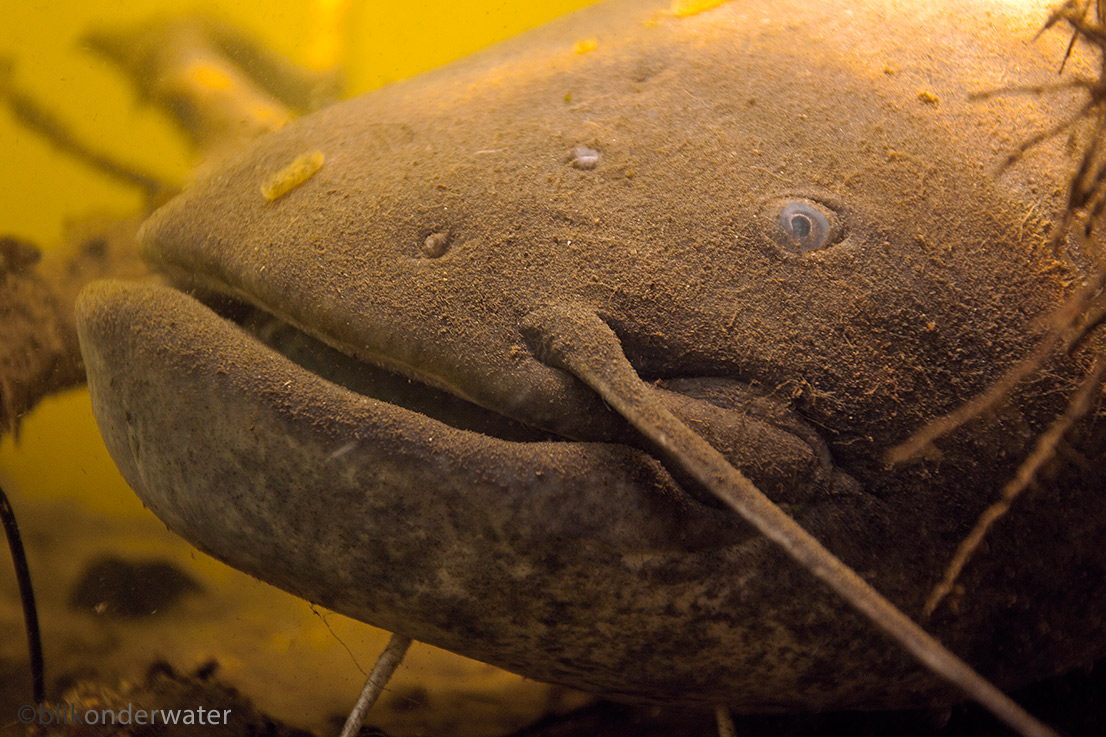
x=367 y=379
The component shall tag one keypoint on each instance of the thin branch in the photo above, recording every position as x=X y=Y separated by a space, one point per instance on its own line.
x=385 y=666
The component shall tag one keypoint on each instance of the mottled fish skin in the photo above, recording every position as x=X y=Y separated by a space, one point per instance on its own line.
x=789 y=215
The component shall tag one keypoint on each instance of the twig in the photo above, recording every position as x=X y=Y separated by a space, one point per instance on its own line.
x=385 y=666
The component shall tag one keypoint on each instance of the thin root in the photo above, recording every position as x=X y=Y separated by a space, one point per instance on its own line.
x=1044 y=450
x=1033 y=89
x=1062 y=331
x=1038 y=138
x=27 y=595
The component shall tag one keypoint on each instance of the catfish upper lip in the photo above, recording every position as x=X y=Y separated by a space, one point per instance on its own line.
x=366 y=378
x=378 y=379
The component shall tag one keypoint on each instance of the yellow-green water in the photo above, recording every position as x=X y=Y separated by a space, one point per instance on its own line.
x=385 y=41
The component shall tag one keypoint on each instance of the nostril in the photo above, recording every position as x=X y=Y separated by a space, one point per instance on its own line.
x=584 y=158
x=435 y=245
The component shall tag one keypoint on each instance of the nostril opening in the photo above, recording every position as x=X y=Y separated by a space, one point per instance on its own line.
x=584 y=158
x=435 y=245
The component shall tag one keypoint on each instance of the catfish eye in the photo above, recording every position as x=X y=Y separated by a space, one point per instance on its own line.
x=804 y=226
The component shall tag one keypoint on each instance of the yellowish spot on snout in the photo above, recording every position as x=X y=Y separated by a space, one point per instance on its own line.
x=928 y=97
x=585 y=45
x=684 y=8
x=292 y=176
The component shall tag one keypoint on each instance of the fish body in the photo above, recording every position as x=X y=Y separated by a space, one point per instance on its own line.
x=789 y=216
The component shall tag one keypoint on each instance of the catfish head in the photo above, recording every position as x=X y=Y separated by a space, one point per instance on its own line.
x=787 y=219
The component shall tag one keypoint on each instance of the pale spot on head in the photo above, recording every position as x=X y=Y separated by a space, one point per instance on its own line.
x=585 y=45
x=292 y=176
